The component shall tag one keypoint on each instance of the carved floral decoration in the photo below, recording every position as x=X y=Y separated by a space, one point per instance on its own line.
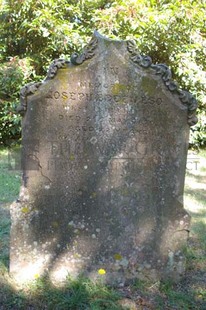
x=31 y=88
x=76 y=59
x=87 y=53
x=161 y=69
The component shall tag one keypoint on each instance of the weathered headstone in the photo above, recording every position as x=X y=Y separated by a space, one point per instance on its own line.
x=104 y=146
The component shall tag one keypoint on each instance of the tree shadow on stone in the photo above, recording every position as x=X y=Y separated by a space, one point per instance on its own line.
x=82 y=234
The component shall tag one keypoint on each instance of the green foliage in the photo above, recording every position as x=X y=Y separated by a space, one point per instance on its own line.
x=171 y=32
x=13 y=75
x=9 y=122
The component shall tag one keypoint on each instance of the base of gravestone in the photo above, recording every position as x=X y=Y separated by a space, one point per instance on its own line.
x=169 y=263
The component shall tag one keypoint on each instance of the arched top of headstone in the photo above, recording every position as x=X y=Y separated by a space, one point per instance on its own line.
x=99 y=44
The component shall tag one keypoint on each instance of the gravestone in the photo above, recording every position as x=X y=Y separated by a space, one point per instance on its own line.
x=104 y=146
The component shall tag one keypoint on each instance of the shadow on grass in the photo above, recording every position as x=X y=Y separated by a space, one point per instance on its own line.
x=4 y=236
x=199 y=229
x=197 y=178
x=199 y=215
x=177 y=297
x=197 y=194
x=190 y=292
x=75 y=295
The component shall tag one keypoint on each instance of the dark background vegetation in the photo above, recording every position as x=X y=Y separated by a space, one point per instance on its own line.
x=33 y=33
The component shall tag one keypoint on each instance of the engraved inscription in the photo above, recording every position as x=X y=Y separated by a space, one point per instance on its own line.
x=86 y=118
x=98 y=96
x=151 y=100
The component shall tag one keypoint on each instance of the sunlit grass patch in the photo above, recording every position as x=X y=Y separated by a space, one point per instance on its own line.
x=10 y=179
x=195 y=198
x=195 y=184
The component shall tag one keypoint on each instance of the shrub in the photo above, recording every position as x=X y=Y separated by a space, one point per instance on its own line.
x=13 y=75
x=171 y=32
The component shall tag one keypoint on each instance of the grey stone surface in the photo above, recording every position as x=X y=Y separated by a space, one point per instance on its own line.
x=104 y=145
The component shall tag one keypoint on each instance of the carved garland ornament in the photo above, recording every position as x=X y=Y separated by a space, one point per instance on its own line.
x=87 y=53
x=28 y=89
x=31 y=88
x=162 y=70
x=143 y=61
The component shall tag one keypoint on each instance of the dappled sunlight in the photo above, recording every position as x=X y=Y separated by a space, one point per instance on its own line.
x=145 y=230
x=70 y=262
x=31 y=271
x=192 y=205
x=195 y=185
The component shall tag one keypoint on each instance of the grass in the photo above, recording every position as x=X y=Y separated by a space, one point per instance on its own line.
x=9 y=178
x=76 y=295
x=82 y=293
